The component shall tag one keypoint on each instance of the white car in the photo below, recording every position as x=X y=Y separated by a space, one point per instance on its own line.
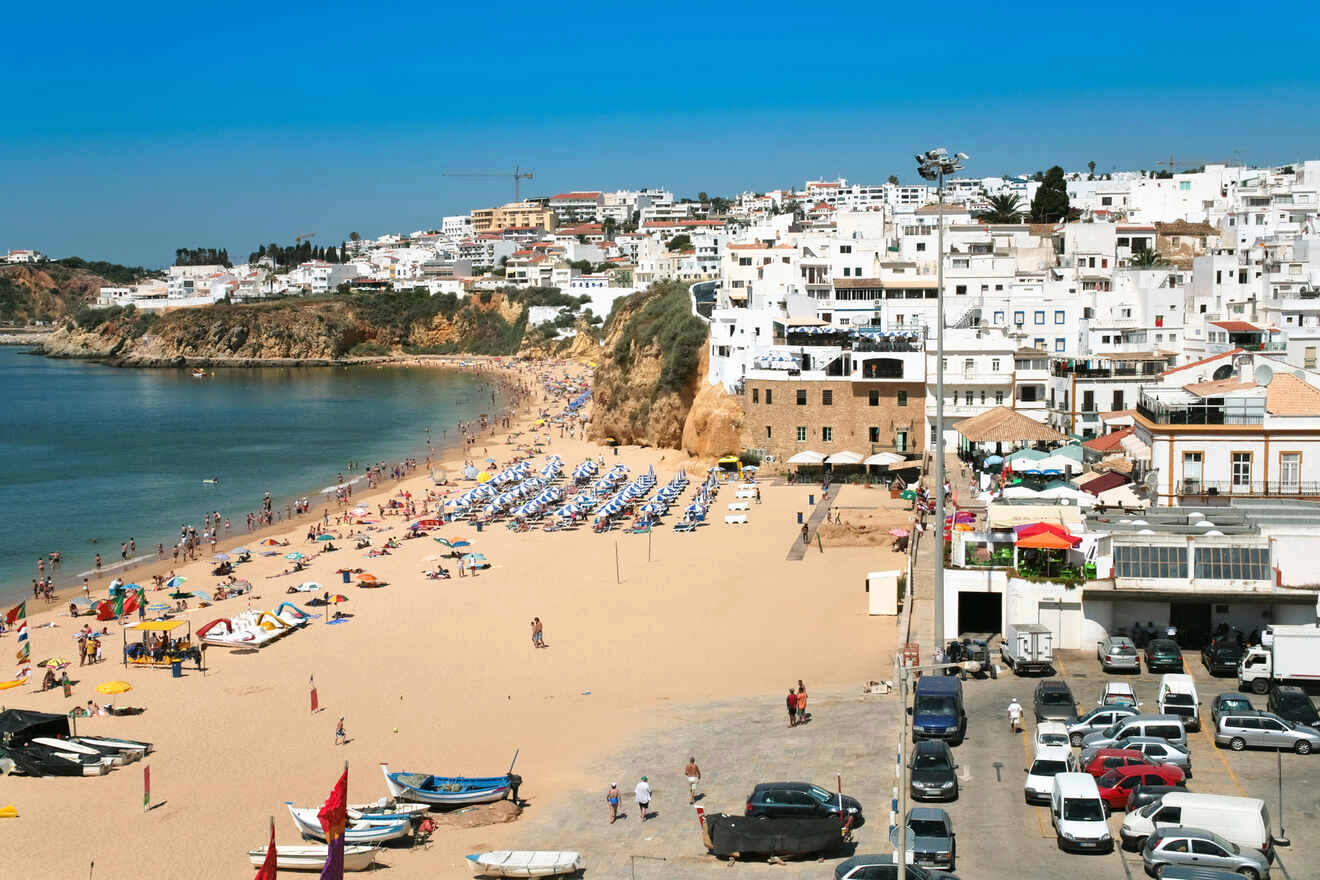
x=1051 y=733
x=1118 y=693
x=1049 y=762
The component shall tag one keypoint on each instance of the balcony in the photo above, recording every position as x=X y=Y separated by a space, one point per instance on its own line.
x=1061 y=370
x=1204 y=490
x=1211 y=411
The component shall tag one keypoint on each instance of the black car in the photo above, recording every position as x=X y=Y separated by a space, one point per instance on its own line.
x=1054 y=702
x=1291 y=703
x=800 y=799
x=931 y=775
x=1221 y=657
x=1227 y=703
x=1163 y=655
x=1145 y=794
x=882 y=867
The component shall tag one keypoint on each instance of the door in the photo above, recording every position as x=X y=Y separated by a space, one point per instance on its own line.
x=1191 y=472
x=1290 y=472
x=1271 y=733
x=1169 y=816
x=901 y=439
x=1192 y=620
x=1208 y=854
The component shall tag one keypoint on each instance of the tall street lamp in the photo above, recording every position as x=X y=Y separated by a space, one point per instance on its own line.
x=933 y=165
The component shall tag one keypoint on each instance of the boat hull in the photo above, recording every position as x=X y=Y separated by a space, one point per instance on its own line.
x=525 y=863
x=312 y=858
x=446 y=791
x=357 y=832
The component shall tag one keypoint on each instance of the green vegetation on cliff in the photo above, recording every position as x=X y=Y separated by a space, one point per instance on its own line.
x=659 y=318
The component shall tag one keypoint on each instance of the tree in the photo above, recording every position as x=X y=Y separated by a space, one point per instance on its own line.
x=1051 y=202
x=1147 y=259
x=702 y=197
x=353 y=236
x=609 y=227
x=719 y=205
x=680 y=242
x=1091 y=167
x=893 y=179
x=1005 y=208
x=583 y=266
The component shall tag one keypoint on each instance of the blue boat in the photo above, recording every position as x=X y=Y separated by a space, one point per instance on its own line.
x=448 y=790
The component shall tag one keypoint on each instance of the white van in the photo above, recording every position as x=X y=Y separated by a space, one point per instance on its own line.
x=1244 y=821
x=1178 y=697
x=1049 y=762
x=1079 y=815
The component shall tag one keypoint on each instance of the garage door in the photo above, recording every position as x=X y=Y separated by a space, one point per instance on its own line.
x=979 y=613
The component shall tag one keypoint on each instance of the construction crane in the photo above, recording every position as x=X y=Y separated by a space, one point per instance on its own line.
x=303 y=236
x=517 y=175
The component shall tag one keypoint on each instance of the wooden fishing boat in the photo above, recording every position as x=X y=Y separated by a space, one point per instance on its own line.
x=524 y=863
x=448 y=790
x=312 y=858
x=361 y=831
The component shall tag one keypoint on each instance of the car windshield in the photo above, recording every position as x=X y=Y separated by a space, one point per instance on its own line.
x=1122 y=649
x=929 y=761
x=1052 y=739
x=1173 y=699
x=1298 y=703
x=1083 y=810
x=1047 y=768
x=1109 y=780
x=1226 y=844
x=1150 y=808
x=1234 y=704
x=1163 y=649
x=1112 y=730
x=927 y=828
x=934 y=704
x=822 y=795
x=1056 y=698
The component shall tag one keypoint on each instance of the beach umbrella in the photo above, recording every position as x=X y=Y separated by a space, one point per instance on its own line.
x=269 y=542
x=205 y=598
x=113 y=687
x=54 y=662
x=490 y=461
x=241 y=550
x=221 y=557
x=158 y=607
x=338 y=597
x=365 y=578
x=180 y=594
x=484 y=477
x=752 y=467
x=899 y=533
x=325 y=537
x=176 y=581
x=270 y=553
x=474 y=557
x=295 y=556
x=83 y=601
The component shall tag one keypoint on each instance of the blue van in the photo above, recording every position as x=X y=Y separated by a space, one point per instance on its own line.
x=937 y=709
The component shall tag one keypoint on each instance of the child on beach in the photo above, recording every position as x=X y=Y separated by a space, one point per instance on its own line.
x=340 y=736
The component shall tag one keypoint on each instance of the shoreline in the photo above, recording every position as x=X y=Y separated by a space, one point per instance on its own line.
x=144 y=567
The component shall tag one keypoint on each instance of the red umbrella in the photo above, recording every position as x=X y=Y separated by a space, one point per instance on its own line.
x=1047 y=541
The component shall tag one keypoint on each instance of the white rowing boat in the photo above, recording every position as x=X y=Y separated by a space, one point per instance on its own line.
x=312 y=858
x=358 y=831
x=524 y=863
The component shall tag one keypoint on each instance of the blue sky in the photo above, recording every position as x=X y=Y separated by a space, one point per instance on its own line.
x=136 y=129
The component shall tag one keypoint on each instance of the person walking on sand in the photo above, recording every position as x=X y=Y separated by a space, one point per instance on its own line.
x=643 y=792
x=1015 y=715
x=802 y=705
x=612 y=798
x=693 y=774
x=791 y=701
x=340 y=736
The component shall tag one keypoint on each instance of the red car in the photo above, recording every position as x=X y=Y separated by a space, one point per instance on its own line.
x=1105 y=760
x=1117 y=784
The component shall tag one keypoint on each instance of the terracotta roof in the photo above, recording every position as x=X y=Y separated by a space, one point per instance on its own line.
x=1202 y=361
x=1136 y=228
x=1107 y=442
x=1002 y=424
x=949 y=208
x=1116 y=463
x=1239 y=327
x=576 y=196
x=700 y=222
x=1182 y=227
x=1290 y=396
x=1219 y=386
x=1104 y=482
x=823 y=206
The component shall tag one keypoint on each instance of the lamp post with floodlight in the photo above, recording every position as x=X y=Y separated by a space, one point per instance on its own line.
x=934 y=165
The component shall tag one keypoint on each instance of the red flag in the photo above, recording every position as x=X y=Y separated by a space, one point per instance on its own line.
x=146 y=788
x=15 y=613
x=268 y=870
x=316 y=704
x=334 y=816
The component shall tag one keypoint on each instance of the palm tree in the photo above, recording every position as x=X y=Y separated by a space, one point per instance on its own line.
x=1006 y=208
x=1147 y=259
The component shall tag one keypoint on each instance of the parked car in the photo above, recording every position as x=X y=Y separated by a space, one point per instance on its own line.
x=930 y=838
x=1265 y=730
x=1178 y=696
x=1104 y=760
x=1054 y=701
x=1166 y=727
x=1117 y=783
x=1049 y=762
x=1199 y=848
x=799 y=799
x=931 y=775
x=1097 y=719
x=1221 y=658
x=1226 y=703
x=1291 y=703
x=1245 y=821
x=1163 y=655
x=1079 y=815
x=1159 y=751
x=1118 y=652
x=1188 y=872
x=1118 y=693
x=1145 y=794
x=1051 y=733
x=882 y=867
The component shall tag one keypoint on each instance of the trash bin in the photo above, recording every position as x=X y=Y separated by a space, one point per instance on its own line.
x=347 y=576
x=616 y=450
x=799 y=517
x=811 y=499
x=176 y=669
x=479 y=524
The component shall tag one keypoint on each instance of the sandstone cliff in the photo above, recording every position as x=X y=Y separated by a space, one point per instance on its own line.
x=46 y=291
x=714 y=424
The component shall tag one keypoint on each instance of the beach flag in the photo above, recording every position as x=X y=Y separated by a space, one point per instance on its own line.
x=334 y=816
x=316 y=704
x=15 y=614
x=269 y=867
x=24 y=653
x=146 y=789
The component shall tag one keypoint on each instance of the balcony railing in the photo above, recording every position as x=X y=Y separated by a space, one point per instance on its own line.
x=1197 y=414
x=1249 y=488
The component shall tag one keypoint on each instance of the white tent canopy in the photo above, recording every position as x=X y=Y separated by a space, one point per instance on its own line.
x=845 y=457
x=883 y=458
x=807 y=456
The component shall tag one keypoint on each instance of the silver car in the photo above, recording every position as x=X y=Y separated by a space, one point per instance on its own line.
x=1202 y=849
x=1096 y=719
x=1237 y=730
x=1162 y=752
x=1117 y=652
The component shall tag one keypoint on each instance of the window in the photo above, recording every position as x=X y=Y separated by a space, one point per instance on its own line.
x=845 y=249
x=994 y=365
x=873 y=434
x=1058 y=316
x=1019 y=318
x=1241 y=470
x=827 y=434
x=1233 y=563
x=969 y=366
x=967 y=397
x=756 y=395
x=1150 y=561
x=982 y=397
x=1308 y=357
x=1039 y=317
x=999 y=317
x=1039 y=343
x=960 y=290
x=1059 y=344
x=744 y=261
x=769 y=396
x=999 y=398
x=1290 y=471
x=902 y=398
x=847 y=272
x=921 y=246
x=801 y=434
x=827 y=397
x=768 y=433
x=1117 y=401
x=802 y=397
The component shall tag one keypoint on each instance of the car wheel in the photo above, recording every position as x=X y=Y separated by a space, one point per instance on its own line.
x=1303 y=747
x=1137 y=845
x=1260 y=687
x=1076 y=740
x=1237 y=743
x=1159 y=870
x=1249 y=873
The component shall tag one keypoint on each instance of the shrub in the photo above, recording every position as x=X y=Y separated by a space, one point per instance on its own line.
x=664 y=321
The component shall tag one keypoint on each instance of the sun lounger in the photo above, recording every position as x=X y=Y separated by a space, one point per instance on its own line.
x=686 y=525
x=736 y=519
x=739 y=505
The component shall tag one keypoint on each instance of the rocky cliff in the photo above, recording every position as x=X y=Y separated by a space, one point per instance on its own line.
x=46 y=291
x=715 y=422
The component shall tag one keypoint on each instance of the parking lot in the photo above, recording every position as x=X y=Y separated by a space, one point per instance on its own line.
x=1000 y=835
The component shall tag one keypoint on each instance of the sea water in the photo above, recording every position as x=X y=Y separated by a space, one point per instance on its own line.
x=92 y=456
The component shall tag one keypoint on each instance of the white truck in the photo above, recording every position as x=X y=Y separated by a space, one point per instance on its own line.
x=1292 y=653
x=1028 y=647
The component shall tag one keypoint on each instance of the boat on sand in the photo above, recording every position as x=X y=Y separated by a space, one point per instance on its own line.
x=359 y=831
x=312 y=858
x=524 y=863
x=448 y=790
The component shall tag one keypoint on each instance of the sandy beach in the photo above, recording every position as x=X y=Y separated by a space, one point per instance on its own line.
x=441 y=675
